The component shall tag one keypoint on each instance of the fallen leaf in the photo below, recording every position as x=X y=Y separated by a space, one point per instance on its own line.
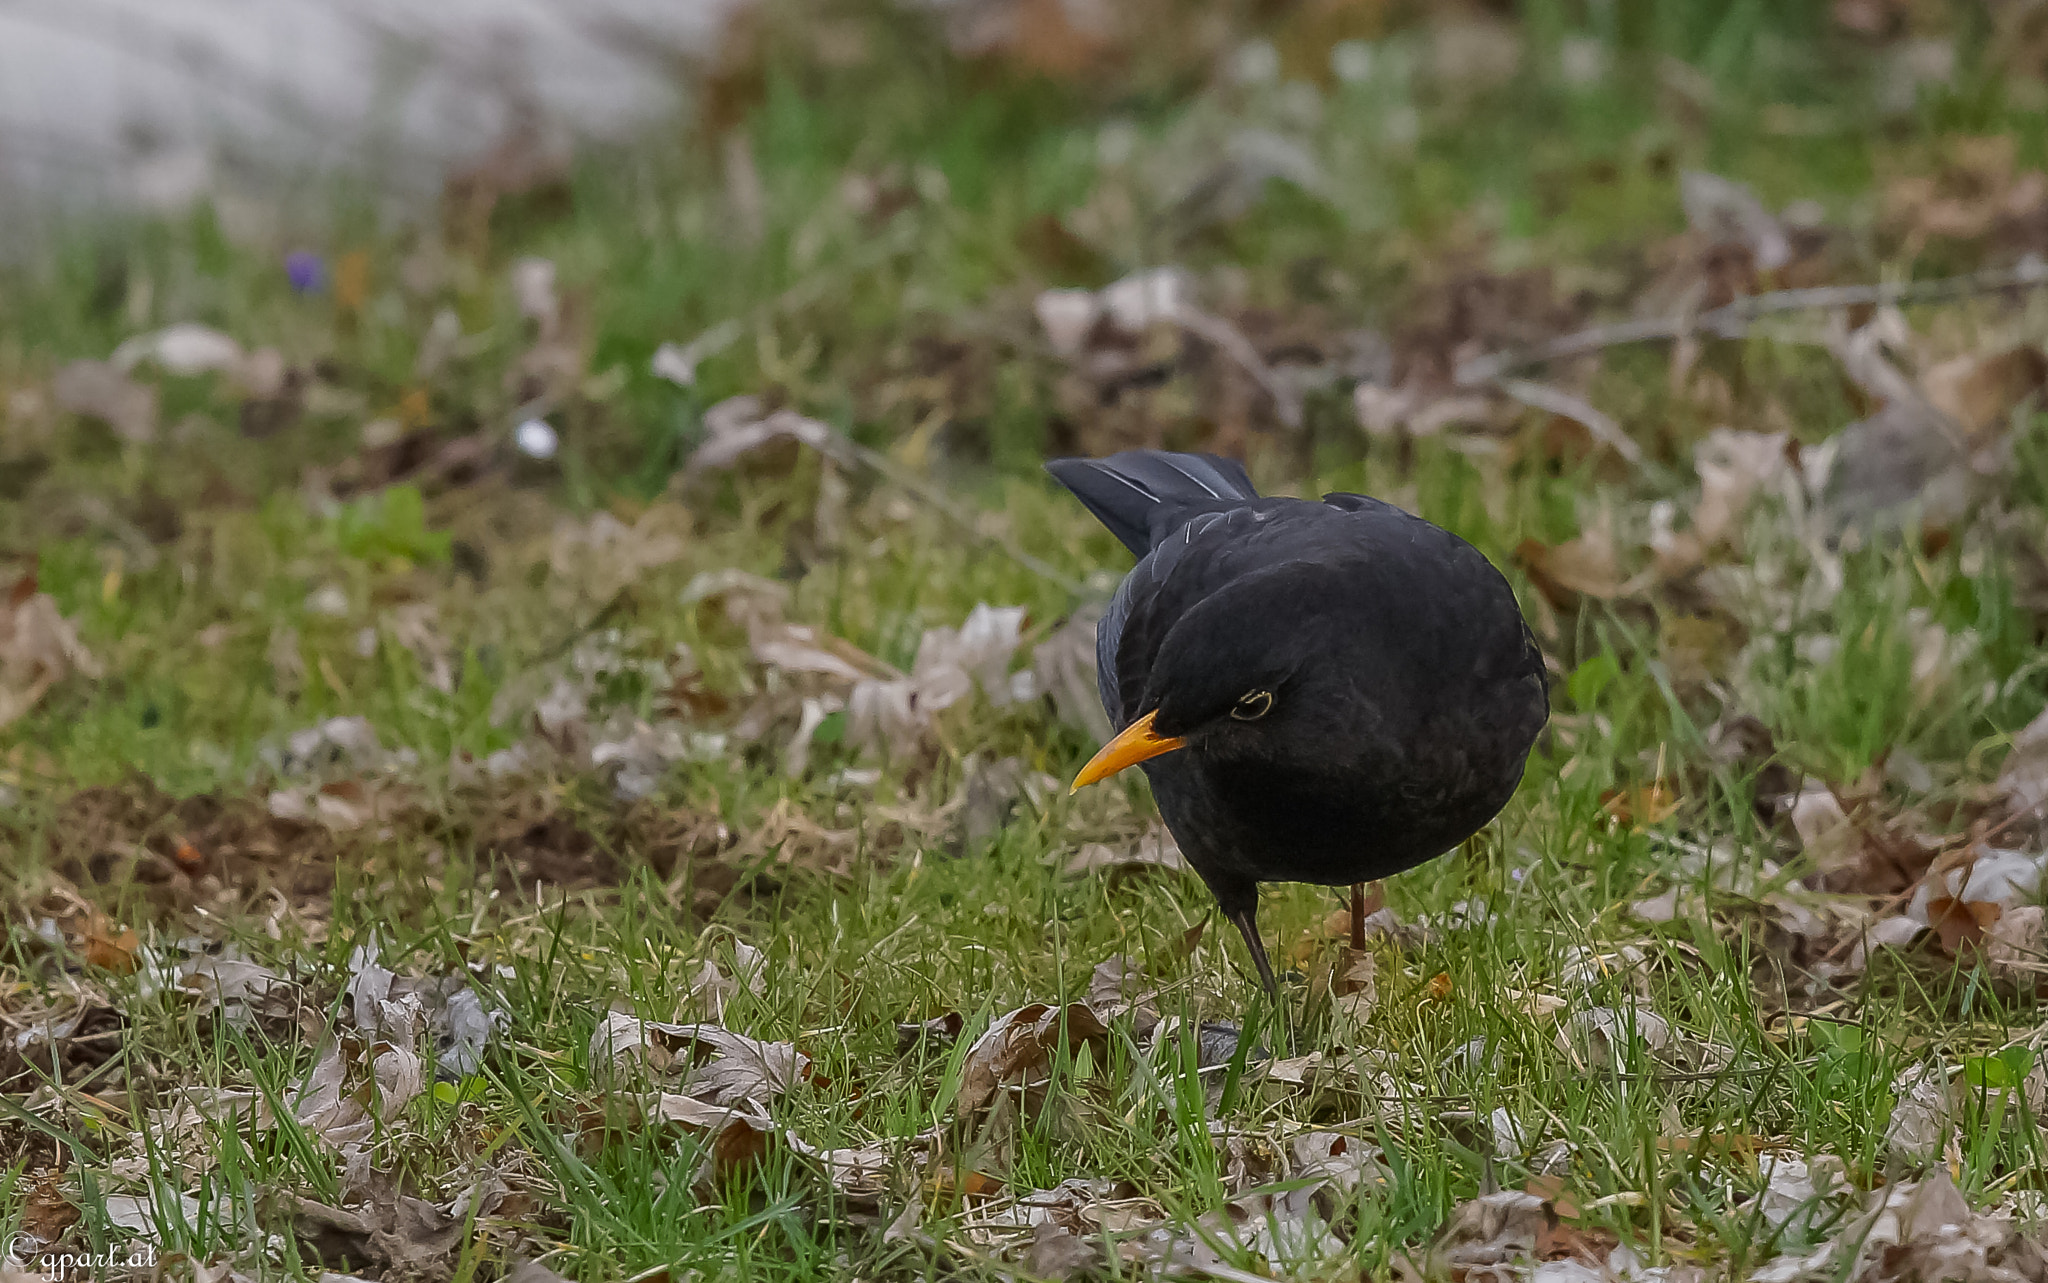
x=1964 y=898
x=2023 y=779
x=241 y=991
x=710 y=989
x=353 y=1088
x=2016 y=947
x=678 y=364
x=602 y=555
x=638 y=755
x=1156 y=849
x=1067 y=317
x=735 y=1138
x=1018 y=1048
x=526 y=1271
x=1353 y=984
x=1917 y=1230
x=187 y=349
x=1933 y=447
x=1641 y=807
x=721 y=1068
x=740 y=1069
x=938 y=1032
x=860 y=1173
x=107 y=944
x=1721 y=209
x=447 y=1010
x=1923 y=1116
x=737 y=428
x=888 y=717
x=144 y=1215
x=400 y=1235
x=38 y=649
x=1492 y=1229
x=1798 y=1191
x=1733 y=468
x=97 y=390
x=1586 y=566
x=1977 y=191
x=1601 y=1033
x=1980 y=393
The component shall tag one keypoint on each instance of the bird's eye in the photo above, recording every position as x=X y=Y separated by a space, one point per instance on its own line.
x=1252 y=705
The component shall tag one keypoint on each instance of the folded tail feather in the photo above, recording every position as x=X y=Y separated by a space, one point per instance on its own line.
x=1127 y=492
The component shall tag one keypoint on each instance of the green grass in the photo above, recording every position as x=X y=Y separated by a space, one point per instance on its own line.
x=198 y=569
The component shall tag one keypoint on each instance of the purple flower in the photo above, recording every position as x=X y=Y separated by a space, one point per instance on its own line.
x=306 y=271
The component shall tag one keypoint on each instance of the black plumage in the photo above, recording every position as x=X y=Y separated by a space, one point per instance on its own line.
x=1326 y=692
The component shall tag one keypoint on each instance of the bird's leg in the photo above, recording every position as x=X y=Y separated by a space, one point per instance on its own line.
x=1367 y=898
x=1247 y=921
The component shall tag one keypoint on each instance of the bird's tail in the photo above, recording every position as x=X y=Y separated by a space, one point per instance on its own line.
x=1130 y=492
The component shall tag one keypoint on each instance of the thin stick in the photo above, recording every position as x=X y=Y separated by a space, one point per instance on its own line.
x=1731 y=320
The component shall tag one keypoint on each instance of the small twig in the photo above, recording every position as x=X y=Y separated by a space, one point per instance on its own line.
x=1576 y=408
x=1731 y=320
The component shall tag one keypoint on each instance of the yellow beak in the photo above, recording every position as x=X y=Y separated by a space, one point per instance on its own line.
x=1132 y=745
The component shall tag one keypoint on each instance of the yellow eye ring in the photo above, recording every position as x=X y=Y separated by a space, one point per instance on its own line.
x=1253 y=705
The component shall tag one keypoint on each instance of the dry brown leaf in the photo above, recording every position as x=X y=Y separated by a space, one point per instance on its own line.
x=46 y=1213
x=1980 y=393
x=740 y=1068
x=105 y=943
x=1723 y=210
x=1641 y=807
x=2016 y=947
x=241 y=991
x=938 y=1032
x=1353 y=984
x=889 y=717
x=1018 y=1048
x=1492 y=1229
x=98 y=390
x=738 y=428
x=339 y=806
x=1733 y=468
x=2023 y=779
x=735 y=1138
x=38 y=649
x=1963 y=897
x=1923 y=1116
x=353 y=1087
x=1598 y=1034
x=1978 y=191
x=401 y=1236
x=1063 y=669
x=1918 y=1231
x=1119 y=980
x=604 y=554
x=1155 y=850
x=1061 y=38
x=1587 y=566
x=724 y=1068
x=710 y=989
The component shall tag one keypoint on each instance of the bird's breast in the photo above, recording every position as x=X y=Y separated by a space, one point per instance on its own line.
x=1347 y=822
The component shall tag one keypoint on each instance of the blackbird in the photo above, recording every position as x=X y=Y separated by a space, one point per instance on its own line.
x=1320 y=692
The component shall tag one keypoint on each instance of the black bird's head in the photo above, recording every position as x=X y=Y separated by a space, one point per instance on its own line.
x=1263 y=670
